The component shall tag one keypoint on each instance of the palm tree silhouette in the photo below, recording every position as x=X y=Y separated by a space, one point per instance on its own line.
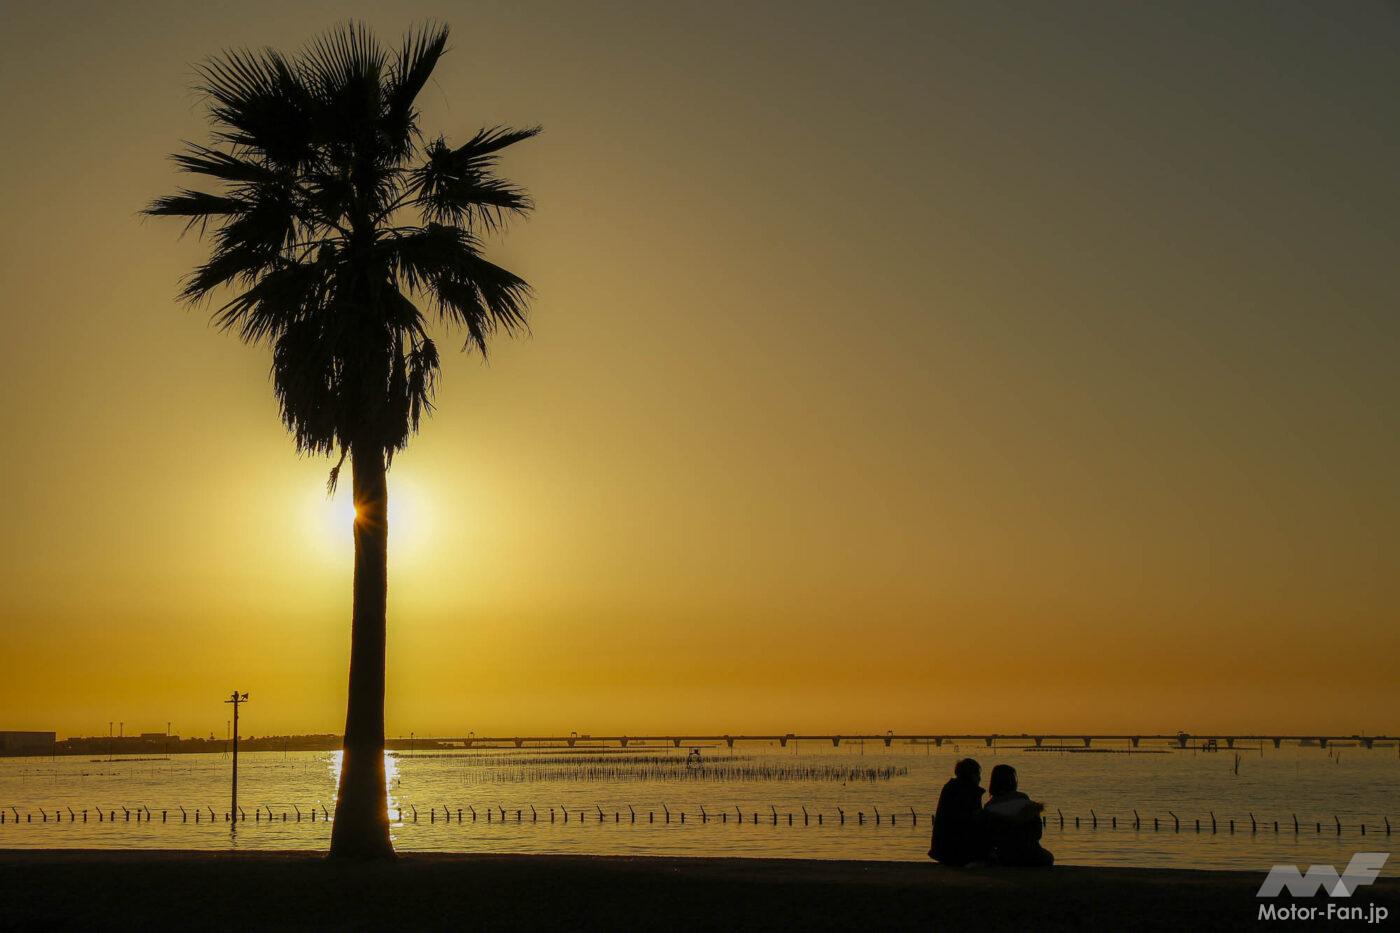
x=334 y=223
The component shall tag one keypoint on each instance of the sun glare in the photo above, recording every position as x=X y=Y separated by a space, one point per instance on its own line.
x=391 y=776
x=330 y=521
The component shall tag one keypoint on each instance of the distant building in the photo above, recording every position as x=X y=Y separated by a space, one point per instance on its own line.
x=21 y=743
x=158 y=737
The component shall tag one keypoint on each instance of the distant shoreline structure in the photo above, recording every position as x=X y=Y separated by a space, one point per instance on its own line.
x=46 y=744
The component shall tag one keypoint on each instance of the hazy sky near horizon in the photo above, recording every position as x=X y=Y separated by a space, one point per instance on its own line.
x=914 y=366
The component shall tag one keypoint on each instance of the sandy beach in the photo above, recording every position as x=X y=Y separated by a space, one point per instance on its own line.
x=198 y=890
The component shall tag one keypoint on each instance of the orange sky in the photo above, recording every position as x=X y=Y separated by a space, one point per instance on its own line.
x=975 y=367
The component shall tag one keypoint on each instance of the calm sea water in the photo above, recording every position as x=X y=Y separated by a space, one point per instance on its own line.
x=1355 y=785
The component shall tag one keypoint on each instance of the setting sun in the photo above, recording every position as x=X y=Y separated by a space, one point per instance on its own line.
x=330 y=520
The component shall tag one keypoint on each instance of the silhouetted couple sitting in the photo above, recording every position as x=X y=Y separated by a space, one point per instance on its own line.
x=1004 y=832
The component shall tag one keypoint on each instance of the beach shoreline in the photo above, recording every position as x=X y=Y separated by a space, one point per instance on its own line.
x=157 y=889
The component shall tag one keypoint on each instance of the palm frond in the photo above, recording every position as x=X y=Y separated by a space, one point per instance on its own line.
x=459 y=186
x=489 y=299
x=308 y=380
x=188 y=203
x=199 y=207
x=445 y=263
x=269 y=224
x=423 y=368
x=489 y=141
x=276 y=302
x=259 y=103
x=231 y=263
x=411 y=69
x=422 y=254
x=344 y=70
x=201 y=160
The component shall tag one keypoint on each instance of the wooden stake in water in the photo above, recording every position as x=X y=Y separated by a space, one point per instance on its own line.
x=236 y=699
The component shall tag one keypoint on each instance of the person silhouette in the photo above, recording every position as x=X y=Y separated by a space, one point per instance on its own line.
x=1012 y=823
x=959 y=834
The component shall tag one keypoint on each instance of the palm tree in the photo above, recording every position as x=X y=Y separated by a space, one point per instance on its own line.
x=334 y=225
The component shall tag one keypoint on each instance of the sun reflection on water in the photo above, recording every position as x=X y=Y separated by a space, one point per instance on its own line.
x=391 y=783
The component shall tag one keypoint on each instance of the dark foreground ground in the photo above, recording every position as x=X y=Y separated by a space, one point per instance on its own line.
x=254 y=891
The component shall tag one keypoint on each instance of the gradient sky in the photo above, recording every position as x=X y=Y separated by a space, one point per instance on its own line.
x=930 y=367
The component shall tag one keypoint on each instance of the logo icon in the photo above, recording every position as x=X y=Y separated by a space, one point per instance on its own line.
x=1363 y=868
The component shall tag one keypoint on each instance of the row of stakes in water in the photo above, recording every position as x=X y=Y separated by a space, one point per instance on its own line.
x=144 y=814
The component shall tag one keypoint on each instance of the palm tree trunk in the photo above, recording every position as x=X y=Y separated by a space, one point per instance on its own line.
x=361 y=828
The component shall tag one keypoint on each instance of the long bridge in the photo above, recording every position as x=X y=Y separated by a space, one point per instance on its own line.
x=937 y=739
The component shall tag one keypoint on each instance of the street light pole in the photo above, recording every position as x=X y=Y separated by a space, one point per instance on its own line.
x=235 y=699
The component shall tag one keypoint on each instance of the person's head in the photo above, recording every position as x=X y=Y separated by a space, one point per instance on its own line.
x=1003 y=780
x=967 y=769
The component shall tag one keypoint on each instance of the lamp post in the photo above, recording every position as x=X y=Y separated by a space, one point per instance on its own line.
x=236 y=699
